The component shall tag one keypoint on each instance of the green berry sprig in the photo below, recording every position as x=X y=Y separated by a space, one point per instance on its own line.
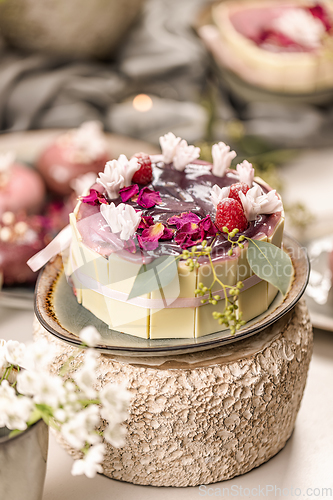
x=230 y=316
x=232 y=234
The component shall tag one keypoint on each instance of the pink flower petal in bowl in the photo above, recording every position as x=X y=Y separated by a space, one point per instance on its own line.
x=127 y=193
x=148 y=198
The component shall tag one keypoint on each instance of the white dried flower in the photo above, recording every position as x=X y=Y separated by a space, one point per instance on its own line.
x=301 y=26
x=115 y=399
x=256 y=202
x=90 y=140
x=184 y=155
x=6 y=161
x=91 y=463
x=169 y=143
x=222 y=158
x=90 y=336
x=82 y=183
x=122 y=219
x=218 y=194
x=245 y=172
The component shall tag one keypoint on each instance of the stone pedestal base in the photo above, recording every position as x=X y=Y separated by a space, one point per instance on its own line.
x=205 y=417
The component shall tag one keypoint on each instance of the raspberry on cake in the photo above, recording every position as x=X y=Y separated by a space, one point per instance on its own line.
x=145 y=173
x=127 y=237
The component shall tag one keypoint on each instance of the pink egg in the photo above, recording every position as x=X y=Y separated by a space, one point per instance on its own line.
x=24 y=190
x=58 y=170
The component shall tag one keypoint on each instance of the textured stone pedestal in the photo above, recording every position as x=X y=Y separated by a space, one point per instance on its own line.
x=205 y=417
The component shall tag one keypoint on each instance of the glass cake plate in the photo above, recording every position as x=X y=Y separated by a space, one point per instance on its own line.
x=60 y=314
x=28 y=146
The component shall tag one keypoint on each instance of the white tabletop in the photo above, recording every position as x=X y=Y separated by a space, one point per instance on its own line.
x=303 y=468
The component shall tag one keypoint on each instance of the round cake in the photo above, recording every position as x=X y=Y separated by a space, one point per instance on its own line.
x=160 y=243
x=282 y=46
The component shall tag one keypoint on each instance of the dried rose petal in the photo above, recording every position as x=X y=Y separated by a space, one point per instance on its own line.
x=207 y=227
x=127 y=193
x=167 y=234
x=147 y=245
x=94 y=198
x=148 y=198
x=184 y=218
x=146 y=221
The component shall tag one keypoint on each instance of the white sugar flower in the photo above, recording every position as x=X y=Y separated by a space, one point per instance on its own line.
x=122 y=219
x=169 y=143
x=111 y=179
x=82 y=183
x=256 y=202
x=6 y=161
x=90 y=336
x=89 y=139
x=218 y=194
x=15 y=352
x=184 y=155
x=245 y=172
x=128 y=168
x=118 y=174
x=222 y=158
x=91 y=463
x=80 y=429
x=301 y=26
x=115 y=435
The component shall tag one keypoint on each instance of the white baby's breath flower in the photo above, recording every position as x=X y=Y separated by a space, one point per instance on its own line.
x=6 y=161
x=122 y=219
x=184 y=155
x=15 y=352
x=301 y=26
x=14 y=410
x=90 y=336
x=82 y=183
x=218 y=194
x=256 y=202
x=3 y=360
x=49 y=390
x=91 y=463
x=222 y=158
x=80 y=429
x=89 y=139
x=115 y=435
x=245 y=172
x=115 y=399
x=169 y=143
x=85 y=376
x=38 y=355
